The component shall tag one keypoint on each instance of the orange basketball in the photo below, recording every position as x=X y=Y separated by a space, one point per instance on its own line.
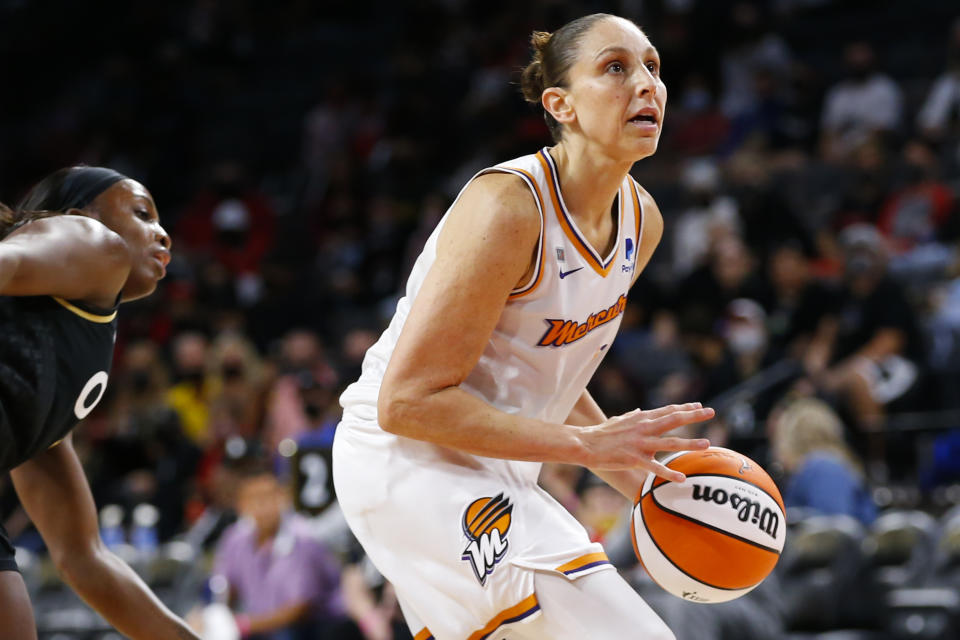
x=715 y=536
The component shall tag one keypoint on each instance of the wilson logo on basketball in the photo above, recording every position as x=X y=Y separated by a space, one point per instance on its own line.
x=766 y=520
x=486 y=522
x=563 y=332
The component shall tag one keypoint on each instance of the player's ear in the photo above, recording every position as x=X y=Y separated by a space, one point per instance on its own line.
x=557 y=103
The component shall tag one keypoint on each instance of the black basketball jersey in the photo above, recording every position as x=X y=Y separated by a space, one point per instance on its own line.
x=55 y=358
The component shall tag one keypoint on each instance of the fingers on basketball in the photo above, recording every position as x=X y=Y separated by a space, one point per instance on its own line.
x=678 y=419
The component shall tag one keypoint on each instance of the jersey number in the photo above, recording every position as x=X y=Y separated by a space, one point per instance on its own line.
x=312 y=480
x=91 y=395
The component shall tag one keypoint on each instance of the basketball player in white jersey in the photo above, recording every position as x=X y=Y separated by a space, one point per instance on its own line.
x=481 y=375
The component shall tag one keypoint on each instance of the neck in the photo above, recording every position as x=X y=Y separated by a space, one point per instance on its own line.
x=590 y=180
x=266 y=535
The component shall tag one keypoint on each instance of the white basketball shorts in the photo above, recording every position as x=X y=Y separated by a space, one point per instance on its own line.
x=459 y=536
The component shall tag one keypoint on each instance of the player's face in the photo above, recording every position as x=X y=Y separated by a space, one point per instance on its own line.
x=615 y=90
x=128 y=209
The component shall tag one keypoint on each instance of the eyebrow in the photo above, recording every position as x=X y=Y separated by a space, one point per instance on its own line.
x=619 y=49
x=145 y=199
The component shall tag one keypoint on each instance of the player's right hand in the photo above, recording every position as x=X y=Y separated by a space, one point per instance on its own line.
x=629 y=441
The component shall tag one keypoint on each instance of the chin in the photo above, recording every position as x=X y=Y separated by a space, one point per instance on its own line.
x=137 y=291
x=644 y=148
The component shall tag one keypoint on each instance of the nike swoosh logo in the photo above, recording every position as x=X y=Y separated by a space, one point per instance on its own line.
x=564 y=274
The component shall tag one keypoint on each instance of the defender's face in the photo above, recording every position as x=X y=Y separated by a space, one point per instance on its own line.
x=127 y=209
x=616 y=91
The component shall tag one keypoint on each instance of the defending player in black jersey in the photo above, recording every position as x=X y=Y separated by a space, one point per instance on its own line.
x=82 y=241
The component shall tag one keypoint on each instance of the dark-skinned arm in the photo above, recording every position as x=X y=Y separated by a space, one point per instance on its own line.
x=54 y=491
x=70 y=256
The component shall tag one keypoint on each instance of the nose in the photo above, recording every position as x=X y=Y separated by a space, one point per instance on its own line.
x=163 y=238
x=646 y=84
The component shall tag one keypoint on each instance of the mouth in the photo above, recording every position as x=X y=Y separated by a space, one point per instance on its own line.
x=163 y=259
x=646 y=117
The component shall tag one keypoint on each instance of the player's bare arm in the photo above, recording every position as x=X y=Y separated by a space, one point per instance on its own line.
x=70 y=256
x=54 y=491
x=484 y=251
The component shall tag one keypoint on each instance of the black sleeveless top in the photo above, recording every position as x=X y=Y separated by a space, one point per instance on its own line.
x=55 y=359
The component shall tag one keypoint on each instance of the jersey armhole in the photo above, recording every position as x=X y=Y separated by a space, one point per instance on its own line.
x=529 y=286
x=637 y=210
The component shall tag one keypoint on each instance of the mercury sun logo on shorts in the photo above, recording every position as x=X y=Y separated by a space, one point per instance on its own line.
x=486 y=522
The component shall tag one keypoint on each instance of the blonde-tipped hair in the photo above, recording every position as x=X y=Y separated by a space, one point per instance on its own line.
x=809 y=425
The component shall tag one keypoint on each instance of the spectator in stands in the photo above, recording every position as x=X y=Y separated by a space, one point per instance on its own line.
x=236 y=399
x=939 y=116
x=190 y=394
x=753 y=46
x=748 y=370
x=918 y=214
x=746 y=335
x=232 y=222
x=728 y=274
x=710 y=215
x=601 y=509
x=867 y=350
x=284 y=584
x=866 y=103
x=700 y=127
x=825 y=474
x=794 y=300
x=303 y=365
x=145 y=457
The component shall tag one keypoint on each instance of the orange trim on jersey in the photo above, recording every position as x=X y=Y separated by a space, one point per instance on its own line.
x=637 y=210
x=526 y=607
x=86 y=315
x=583 y=563
x=423 y=634
x=583 y=248
x=538 y=274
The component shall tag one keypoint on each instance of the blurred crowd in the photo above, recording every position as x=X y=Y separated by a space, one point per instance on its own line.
x=807 y=285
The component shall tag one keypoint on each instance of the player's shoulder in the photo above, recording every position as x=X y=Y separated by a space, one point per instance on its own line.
x=82 y=230
x=500 y=198
x=502 y=186
x=651 y=212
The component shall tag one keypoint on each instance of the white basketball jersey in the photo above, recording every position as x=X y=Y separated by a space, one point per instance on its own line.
x=553 y=331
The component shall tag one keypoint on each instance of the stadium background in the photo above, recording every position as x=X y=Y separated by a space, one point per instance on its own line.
x=300 y=153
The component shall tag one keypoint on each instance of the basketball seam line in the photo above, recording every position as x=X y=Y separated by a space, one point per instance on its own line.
x=721 y=475
x=711 y=527
x=678 y=567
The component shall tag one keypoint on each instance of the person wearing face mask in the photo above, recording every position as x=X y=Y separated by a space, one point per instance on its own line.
x=867 y=350
x=145 y=457
x=191 y=392
x=481 y=376
x=746 y=334
x=917 y=215
x=864 y=104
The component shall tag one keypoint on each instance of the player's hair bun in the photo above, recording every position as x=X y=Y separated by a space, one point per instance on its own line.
x=531 y=81
x=553 y=55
